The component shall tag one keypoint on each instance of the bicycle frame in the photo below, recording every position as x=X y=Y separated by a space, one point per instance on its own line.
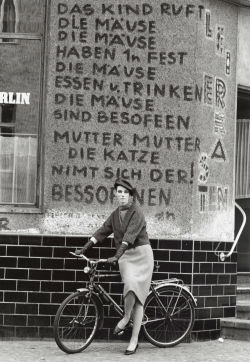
x=100 y=294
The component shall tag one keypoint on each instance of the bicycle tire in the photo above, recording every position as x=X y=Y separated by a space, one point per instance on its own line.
x=168 y=329
x=76 y=322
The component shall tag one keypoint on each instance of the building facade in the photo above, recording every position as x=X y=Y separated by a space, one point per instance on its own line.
x=139 y=90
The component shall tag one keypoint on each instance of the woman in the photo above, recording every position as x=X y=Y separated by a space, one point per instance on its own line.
x=134 y=256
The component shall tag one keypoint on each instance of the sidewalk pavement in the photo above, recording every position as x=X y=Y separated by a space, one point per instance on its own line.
x=47 y=351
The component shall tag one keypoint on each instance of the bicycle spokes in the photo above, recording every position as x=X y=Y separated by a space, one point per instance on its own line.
x=76 y=322
x=169 y=316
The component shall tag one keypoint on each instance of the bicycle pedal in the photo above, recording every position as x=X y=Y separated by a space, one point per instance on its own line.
x=120 y=333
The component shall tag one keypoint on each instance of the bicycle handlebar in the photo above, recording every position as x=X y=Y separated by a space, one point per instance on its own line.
x=87 y=259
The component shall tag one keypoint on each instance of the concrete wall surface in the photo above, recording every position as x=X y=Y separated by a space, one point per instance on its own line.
x=147 y=92
x=243 y=68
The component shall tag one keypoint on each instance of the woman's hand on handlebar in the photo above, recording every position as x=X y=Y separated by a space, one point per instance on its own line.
x=83 y=250
x=79 y=251
x=113 y=260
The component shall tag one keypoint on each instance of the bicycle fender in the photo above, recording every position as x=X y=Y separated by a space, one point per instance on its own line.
x=184 y=287
x=99 y=305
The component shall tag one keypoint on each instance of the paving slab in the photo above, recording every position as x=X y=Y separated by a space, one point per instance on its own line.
x=47 y=351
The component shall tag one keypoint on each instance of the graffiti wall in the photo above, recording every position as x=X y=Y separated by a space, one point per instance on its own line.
x=213 y=197
x=144 y=91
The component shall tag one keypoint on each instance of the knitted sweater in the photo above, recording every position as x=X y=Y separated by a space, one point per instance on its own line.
x=132 y=229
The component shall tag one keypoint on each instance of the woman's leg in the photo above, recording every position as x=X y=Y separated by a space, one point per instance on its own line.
x=137 y=321
x=129 y=302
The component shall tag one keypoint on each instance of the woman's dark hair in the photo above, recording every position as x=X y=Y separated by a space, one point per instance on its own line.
x=126 y=184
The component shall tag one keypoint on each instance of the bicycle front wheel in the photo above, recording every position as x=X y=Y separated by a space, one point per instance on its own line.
x=169 y=318
x=76 y=322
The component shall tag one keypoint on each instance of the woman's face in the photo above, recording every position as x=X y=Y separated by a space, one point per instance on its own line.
x=122 y=195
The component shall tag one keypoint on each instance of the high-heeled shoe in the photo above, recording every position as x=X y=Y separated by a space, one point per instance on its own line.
x=128 y=352
x=119 y=331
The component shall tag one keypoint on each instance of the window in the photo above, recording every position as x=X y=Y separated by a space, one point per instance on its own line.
x=9 y=18
x=242 y=177
x=21 y=99
x=7 y=118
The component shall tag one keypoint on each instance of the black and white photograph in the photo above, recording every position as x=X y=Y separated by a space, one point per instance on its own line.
x=124 y=180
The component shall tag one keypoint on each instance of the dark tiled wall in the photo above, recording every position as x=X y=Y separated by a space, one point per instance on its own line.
x=37 y=273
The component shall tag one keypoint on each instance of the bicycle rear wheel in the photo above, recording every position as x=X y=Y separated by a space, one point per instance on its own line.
x=170 y=319
x=76 y=322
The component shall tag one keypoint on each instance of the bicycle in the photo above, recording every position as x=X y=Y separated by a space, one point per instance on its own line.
x=169 y=312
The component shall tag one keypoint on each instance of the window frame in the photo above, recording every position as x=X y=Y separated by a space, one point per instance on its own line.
x=243 y=92
x=37 y=208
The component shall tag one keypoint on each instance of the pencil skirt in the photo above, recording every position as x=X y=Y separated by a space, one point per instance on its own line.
x=136 y=268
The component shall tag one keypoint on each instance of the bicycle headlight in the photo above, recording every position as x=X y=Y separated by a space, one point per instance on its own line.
x=86 y=269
